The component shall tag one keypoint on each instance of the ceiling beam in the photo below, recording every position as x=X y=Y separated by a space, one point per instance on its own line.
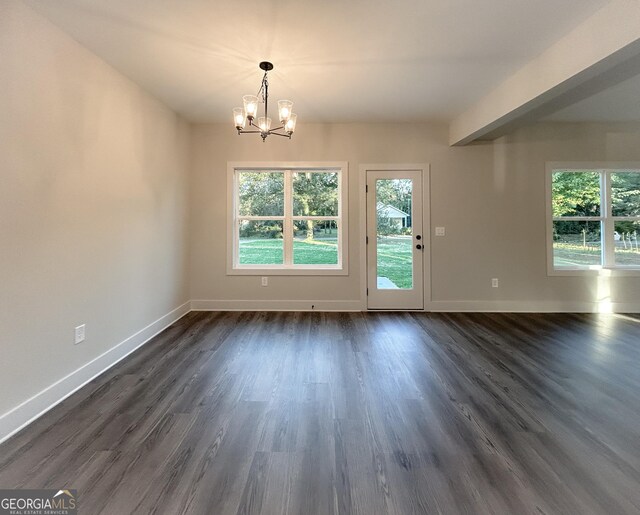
x=577 y=62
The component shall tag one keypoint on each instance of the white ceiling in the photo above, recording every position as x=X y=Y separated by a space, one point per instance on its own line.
x=338 y=60
x=620 y=103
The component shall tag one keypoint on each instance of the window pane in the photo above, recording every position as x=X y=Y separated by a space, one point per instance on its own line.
x=315 y=194
x=625 y=193
x=626 y=241
x=576 y=193
x=394 y=234
x=577 y=244
x=261 y=242
x=315 y=242
x=261 y=193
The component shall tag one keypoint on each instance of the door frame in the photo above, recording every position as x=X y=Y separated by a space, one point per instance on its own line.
x=425 y=168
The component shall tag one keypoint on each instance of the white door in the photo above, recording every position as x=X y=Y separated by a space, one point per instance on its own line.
x=395 y=241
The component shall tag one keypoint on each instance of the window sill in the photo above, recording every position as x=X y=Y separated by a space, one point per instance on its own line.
x=608 y=272
x=292 y=271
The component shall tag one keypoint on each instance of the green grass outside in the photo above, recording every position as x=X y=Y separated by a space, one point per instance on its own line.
x=261 y=251
x=395 y=260
x=315 y=252
x=567 y=254
x=394 y=255
x=266 y=251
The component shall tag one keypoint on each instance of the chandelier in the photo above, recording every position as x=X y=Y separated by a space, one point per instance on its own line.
x=247 y=114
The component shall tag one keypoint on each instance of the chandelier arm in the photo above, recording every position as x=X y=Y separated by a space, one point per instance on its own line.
x=242 y=131
x=279 y=134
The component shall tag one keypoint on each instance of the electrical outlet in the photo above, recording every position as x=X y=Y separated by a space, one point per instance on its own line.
x=495 y=283
x=79 y=334
x=265 y=281
x=440 y=231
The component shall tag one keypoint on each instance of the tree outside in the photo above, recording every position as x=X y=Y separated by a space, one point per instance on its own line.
x=577 y=194
x=314 y=194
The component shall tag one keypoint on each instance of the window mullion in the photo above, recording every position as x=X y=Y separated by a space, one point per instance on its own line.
x=288 y=221
x=236 y=242
x=316 y=218
x=608 y=240
x=578 y=218
x=236 y=221
x=258 y=218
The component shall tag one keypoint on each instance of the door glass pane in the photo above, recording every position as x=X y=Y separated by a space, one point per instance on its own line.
x=315 y=242
x=315 y=194
x=260 y=242
x=626 y=241
x=625 y=193
x=394 y=234
x=577 y=244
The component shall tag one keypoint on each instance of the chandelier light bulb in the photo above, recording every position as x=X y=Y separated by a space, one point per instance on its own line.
x=250 y=105
x=239 y=117
x=284 y=109
x=290 y=126
x=264 y=124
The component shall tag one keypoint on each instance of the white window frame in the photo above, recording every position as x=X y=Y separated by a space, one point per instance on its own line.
x=233 y=265
x=605 y=169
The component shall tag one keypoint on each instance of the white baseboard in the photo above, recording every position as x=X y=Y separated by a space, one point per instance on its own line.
x=523 y=306
x=22 y=415
x=478 y=306
x=276 y=305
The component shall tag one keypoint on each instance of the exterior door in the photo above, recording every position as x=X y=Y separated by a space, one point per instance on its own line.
x=395 y=241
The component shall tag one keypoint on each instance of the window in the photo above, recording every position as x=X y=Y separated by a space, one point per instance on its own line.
x=594 y=220
x=288 y=218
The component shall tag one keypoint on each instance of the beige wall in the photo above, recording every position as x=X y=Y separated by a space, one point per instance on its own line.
x=214 y=145
x=520 y=158
x=93 y=206
x=489 y=196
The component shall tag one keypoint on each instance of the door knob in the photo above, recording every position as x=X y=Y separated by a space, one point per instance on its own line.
x=419 y=247
x=418 y=237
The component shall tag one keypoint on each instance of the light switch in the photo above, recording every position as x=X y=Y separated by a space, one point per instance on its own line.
x=439 y=231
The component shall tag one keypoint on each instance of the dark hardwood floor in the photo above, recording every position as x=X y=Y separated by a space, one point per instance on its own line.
x=353 y=413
